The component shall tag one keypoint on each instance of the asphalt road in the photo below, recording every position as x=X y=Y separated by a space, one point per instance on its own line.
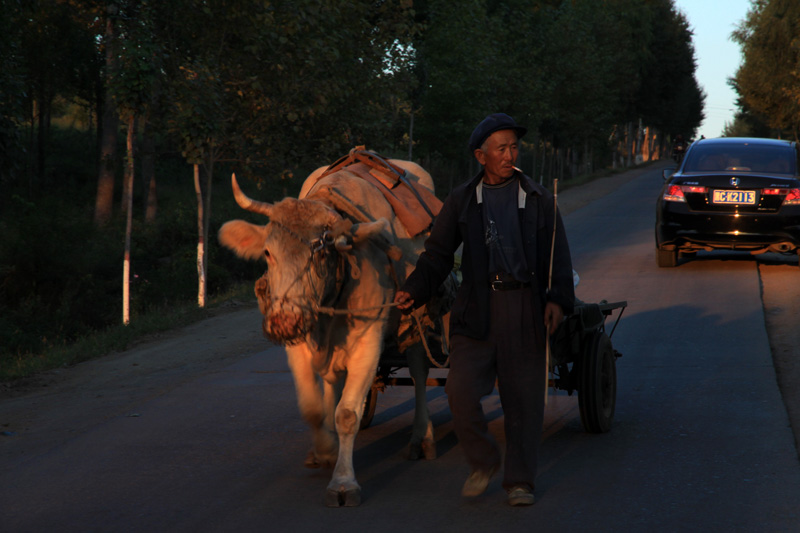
x=701 y=439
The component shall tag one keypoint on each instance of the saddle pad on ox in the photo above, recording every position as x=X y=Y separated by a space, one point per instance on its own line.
x=415 y=205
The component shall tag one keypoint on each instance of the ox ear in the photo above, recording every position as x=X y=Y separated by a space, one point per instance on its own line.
x=245 y=239
x=379 y=234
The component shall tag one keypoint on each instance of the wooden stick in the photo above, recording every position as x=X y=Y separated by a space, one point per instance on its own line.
x=549 y=286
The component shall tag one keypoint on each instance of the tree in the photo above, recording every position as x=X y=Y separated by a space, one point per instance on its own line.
x=108 y=125
x=767 y=79
x=53 y=50
x=271 y=87
x=131 y=85
x=200 y=121
x=12 y=92
x=459 y=71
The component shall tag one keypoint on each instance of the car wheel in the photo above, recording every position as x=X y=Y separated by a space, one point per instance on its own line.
x=666 y=258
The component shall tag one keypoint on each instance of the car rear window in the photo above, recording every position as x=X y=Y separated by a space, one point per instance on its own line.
x=742 y=158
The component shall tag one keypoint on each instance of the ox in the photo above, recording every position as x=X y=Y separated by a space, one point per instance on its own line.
x=335 y=256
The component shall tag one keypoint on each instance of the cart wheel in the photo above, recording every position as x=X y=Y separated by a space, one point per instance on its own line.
x=597 y=379
x=370 y=401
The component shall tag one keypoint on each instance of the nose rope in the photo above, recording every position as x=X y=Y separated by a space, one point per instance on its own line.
x=314 y=246
x=332 y=311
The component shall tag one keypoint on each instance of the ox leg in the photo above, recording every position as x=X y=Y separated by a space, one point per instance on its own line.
x=343 y=488
x=315 y=410
x=422 y=442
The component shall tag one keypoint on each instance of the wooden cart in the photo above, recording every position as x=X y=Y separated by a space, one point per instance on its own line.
x=582 y=360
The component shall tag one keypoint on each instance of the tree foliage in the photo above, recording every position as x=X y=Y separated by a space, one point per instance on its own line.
x=12 y=93
x=281 y=86
x=768 y=80
x=271 y=89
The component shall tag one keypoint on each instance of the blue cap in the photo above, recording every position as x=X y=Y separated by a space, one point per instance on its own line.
x=492 y=123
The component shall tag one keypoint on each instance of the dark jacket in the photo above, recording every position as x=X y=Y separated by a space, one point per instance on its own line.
x=461 y=221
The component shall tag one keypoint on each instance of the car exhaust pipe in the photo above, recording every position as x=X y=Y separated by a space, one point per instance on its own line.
x=782 y=248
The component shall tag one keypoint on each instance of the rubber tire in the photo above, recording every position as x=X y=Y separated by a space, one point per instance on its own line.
x=666 y=258
x=597 y=384
x=370 y=401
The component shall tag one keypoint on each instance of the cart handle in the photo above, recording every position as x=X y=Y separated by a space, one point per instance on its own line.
x=607 y=308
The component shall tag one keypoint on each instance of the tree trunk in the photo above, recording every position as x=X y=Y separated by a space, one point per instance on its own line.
x=30 y=163
x=127 y=177
x=573 y=160
x=40 y=138
x=544 y=159
x=587 y=157
x=126 y=269
x=148 y=157
x=104 y=202
x=629 y=145
x=201 y=248
x=207 y=217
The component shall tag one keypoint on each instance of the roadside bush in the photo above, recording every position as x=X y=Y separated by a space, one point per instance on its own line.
x=56 y=275
x=61 y=277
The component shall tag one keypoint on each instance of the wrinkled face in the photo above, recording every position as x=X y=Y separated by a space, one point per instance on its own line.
x=498 y=154
x=302 y=269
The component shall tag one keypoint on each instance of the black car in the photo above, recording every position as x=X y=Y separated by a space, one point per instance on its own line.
x=731 y=193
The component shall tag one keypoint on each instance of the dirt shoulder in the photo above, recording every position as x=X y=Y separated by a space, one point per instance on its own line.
x=53 y=406
x=781 y=312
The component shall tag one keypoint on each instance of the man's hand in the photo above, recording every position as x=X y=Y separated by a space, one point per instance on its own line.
x=553 y=315
x=404 y=301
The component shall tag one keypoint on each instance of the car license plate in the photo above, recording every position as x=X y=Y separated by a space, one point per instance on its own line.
x=734 y=197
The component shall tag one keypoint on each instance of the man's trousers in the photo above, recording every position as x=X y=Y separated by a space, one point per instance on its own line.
x=510 y=355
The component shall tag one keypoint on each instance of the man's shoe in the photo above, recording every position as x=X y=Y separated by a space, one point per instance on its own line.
x=476 y=483
x=521 y=496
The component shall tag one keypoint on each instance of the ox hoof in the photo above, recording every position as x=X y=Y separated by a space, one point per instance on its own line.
x=429 y=449
x=343 y=498
x=422 y=450
x=312 y=461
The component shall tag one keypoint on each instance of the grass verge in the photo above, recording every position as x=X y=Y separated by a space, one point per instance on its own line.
x=121 y=337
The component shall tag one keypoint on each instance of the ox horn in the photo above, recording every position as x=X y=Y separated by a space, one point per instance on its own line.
x=262 y=208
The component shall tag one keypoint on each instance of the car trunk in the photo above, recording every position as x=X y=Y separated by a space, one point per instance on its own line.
x=720 y=195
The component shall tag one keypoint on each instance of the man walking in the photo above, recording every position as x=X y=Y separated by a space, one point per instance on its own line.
x=504 y=308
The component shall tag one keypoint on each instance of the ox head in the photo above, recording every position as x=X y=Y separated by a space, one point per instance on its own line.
x=306 y=246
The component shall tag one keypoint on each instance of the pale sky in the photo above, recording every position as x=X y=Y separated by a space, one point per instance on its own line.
x=712 y=22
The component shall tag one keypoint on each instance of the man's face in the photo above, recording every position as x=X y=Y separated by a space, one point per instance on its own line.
x=498 y=155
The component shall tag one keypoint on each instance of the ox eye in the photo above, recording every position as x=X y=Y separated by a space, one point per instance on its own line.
x=266 y=253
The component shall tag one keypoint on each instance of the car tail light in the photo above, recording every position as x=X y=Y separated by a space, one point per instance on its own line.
x=694 y=189
x=792 y=196
x=676 y=193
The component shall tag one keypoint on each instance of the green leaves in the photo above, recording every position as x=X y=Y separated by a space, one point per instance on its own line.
x=276 y=84
x=768 y=79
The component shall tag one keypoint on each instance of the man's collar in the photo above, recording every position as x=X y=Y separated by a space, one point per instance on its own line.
x=526 y=183
x=521 y=194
